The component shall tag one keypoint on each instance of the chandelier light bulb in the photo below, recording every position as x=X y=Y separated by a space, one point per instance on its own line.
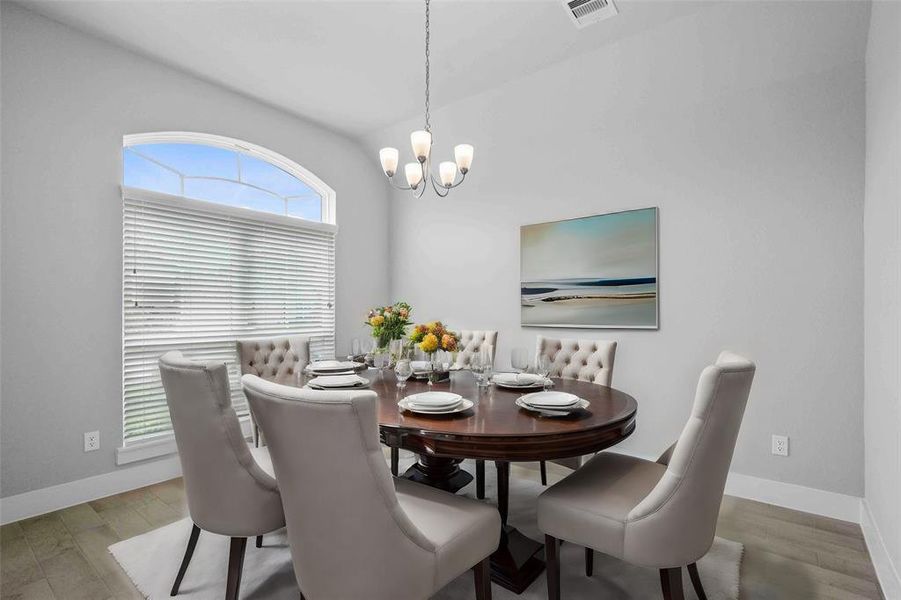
x=463 y=156
x=447 y=171
x=413 y=171
x=388 y=156
x=422 y=142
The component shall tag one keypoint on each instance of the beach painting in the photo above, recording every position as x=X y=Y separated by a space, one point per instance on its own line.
x=598 y=271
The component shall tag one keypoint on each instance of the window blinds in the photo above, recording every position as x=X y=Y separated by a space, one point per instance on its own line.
x=198 y=276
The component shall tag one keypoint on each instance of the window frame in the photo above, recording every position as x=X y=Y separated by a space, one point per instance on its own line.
x=164 y=443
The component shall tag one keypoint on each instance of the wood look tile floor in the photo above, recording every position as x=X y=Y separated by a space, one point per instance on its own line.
x=63 y=555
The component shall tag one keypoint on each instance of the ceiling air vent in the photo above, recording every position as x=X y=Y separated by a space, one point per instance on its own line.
x=586 y=12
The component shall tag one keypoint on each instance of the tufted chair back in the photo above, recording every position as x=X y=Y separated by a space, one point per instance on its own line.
x=228 y=492
x=471 y=343
x=585 y=360
x=272 y=359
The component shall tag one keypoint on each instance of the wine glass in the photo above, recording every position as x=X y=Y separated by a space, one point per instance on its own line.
x=403 y=370
x=543 y=368
x=487 y=358
x=519 y=360
x=475 y=366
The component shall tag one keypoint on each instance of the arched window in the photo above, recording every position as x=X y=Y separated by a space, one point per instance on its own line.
x=222 y=240
x=225 y=171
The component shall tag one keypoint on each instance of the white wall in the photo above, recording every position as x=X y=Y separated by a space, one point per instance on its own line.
x=882 y=286
x=67 y=100
x=754 y=154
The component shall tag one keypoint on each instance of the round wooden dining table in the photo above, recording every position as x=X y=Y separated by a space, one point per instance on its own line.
x=495 y=429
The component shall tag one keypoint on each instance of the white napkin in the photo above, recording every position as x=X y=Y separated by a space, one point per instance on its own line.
x=435 y=399
x=523 y=379
x=551 y=399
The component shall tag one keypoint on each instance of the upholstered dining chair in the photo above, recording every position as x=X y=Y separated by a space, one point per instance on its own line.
x=354 y=531
x=229 y=485
x=585 y=360
x=273 y=359
x=654 y=514
x=471 y=343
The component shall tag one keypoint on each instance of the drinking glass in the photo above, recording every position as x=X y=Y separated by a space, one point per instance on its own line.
x=355 y=348
x=519 y=360
x=403 y=370
x=395 y=348
x=380 y=359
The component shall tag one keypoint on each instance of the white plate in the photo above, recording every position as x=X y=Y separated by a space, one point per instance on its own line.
x=463 y=406
x=434 y=399
x=339 y=381
x=332 y=366
x=548 y=412
x=553 y=400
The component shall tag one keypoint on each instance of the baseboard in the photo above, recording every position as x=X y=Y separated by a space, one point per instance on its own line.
x=56 y=497
x=37 y=502
x=797 y=497
x=886 y=572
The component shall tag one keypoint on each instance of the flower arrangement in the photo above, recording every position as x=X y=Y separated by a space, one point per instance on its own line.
x=434 y=336
x=389 y=322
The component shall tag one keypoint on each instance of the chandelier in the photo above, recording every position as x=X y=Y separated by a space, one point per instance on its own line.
x=419 y=174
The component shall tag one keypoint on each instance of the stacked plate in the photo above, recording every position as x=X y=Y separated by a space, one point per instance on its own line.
x=435 y=403
x=552 y=404
x=338 y=382
x=334 y=367
x=520 y=381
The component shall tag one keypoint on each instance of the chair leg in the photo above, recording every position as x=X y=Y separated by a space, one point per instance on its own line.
x=671 y=582
x=259 y=541
x=482 y=574
x=543 y=473
x=256 y=436
x=189 y=552
x=589 y=561
x=235 y=567
x=552 y=565
x=480 y=479
x=696 y=581
x=395 y=460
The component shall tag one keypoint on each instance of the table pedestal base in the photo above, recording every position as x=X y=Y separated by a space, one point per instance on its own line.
x=438 y=472
x=517 y=562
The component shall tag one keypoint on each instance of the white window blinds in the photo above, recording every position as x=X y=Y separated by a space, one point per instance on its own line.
x=198 y=276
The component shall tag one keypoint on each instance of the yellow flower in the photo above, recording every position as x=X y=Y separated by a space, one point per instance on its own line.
x=376 y=320
x=429 y=343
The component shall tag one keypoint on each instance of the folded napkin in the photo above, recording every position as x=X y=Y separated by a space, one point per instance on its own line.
x=435 y=399
x=523 y=379
x=551 y=400
x=338 y=381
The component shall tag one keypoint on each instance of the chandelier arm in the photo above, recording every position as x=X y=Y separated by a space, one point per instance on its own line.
x=398 y=187
x=438 y=188
x=450 y=187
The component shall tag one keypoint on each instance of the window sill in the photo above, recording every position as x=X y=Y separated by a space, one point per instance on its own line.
x=164 y=446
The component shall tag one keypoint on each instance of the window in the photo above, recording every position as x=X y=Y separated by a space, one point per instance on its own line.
x=221 y=240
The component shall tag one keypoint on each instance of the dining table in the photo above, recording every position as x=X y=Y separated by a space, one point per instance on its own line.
x=496 y=429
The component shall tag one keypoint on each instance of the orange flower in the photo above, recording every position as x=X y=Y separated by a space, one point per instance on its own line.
x=448 y=342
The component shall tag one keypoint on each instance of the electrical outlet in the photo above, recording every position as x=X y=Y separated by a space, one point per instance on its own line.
x=780 y=445
x=91 y=441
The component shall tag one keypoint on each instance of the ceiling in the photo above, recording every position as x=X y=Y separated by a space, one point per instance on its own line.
x=355 y=66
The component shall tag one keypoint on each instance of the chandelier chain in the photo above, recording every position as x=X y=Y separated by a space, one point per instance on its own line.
x=428 y=125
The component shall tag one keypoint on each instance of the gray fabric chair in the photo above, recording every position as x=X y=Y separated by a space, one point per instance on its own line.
x=585 y=360
x=655 y=514
x=273 y=359
x=230 y=487
x=356 y=532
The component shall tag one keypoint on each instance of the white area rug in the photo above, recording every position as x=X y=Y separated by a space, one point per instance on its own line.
x=152 y=560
